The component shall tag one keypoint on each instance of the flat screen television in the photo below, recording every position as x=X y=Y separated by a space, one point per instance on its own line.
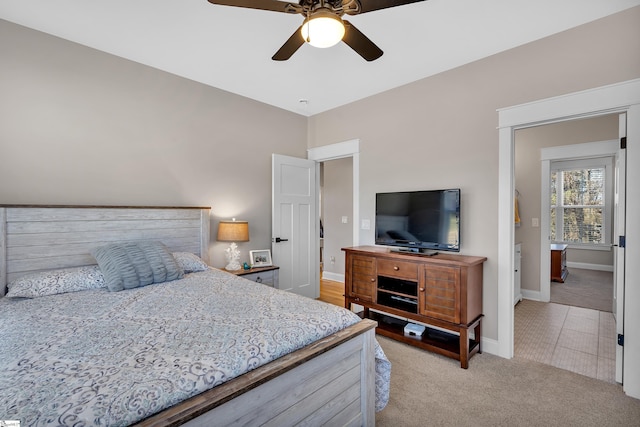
x=419 y=220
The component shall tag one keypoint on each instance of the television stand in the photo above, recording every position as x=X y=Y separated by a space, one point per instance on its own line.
x=441 y=291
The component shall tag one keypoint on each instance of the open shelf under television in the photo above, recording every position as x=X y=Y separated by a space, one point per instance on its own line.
x=435 y=340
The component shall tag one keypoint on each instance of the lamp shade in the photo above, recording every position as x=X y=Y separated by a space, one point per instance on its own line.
x=322 y=29
x=233 y=231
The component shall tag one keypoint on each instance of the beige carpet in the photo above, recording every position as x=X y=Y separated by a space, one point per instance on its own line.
x=431 y=390
x=585 y=288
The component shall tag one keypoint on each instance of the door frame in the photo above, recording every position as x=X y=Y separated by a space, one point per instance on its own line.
x=341 y=150
x=617 y=98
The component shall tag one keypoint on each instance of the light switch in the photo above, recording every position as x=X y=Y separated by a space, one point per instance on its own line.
x=366 y=224
x=535 y=222
x=345 y=219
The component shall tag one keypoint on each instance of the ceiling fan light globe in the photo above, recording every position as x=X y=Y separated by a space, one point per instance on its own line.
x=322 y=29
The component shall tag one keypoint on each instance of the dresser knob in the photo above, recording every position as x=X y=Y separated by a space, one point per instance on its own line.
x=396 y=268
x=373 y=279
x=421 y=289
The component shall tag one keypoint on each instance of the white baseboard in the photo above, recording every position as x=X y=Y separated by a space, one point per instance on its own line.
x=584 y=265
x=489 y=345
x=532 y=295
x=336 y=277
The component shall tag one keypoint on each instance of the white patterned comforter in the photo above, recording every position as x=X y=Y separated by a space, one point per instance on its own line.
x=113 y=358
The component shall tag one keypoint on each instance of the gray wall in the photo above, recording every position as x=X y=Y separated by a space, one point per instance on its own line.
x=78 y=126
x=528 y=144
x=441 y=132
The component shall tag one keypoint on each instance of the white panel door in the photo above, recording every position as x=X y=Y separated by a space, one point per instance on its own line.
x=619 y=224
x=295 y=223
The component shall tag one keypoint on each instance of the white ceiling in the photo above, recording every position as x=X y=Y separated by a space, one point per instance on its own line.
x=230 y=48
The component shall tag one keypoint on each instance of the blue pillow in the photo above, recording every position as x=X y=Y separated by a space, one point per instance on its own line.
x=134 y=264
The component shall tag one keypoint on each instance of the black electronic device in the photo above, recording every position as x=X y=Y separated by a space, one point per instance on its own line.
x=419 y=221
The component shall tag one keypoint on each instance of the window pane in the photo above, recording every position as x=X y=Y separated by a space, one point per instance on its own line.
x=583 y=225
x=552 y=218
x=583 y=187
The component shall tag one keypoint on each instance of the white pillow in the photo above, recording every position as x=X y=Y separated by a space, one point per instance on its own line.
x=189 y=262
x=56 y=282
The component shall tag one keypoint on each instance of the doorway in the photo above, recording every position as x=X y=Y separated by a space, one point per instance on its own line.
x=336 y=207
x=348 y=154
x=618 y=98
x=579 y=333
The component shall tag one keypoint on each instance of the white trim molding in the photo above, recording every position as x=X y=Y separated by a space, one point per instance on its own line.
x=616 y=97
x=588 y=266
x=336 y=277
x=531 y=295
x=334 y=151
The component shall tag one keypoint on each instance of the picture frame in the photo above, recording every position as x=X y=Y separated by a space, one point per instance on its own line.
x=260 y=258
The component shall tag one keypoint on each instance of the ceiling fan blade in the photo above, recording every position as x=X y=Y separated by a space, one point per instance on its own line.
x=360 y=43
x=273 y=5
x=371 y=5
x=289 y=47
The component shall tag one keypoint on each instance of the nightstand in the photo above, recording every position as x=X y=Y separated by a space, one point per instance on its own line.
x=266 y=275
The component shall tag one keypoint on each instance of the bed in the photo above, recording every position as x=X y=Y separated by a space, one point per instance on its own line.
x=206 y=348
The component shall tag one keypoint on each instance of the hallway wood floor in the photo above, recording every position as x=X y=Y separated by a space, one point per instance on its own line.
x=332 y=292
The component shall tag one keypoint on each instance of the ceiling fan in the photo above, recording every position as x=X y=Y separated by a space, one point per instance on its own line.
x=323 y=25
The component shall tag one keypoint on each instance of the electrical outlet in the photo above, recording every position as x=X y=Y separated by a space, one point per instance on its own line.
x=535 y=222
x=332 y=260
x=365 y=224
x=345 y=220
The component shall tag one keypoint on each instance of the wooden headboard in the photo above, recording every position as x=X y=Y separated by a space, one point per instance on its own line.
x=38 y=238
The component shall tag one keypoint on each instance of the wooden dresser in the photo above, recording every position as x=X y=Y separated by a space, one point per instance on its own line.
x=442 y=292
x=559 y=269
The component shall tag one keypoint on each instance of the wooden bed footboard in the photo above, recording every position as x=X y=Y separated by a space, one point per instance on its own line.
x=330 y=382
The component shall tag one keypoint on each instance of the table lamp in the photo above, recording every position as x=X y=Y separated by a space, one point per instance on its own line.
x=233 y=231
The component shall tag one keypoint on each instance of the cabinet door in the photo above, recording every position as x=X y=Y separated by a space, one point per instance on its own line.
x=361 y=282
x=439 y=295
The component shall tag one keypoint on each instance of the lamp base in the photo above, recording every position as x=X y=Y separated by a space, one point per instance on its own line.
x=233 y=258
x=233 y=267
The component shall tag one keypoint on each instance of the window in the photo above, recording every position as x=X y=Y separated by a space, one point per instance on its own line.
x=581 y=201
